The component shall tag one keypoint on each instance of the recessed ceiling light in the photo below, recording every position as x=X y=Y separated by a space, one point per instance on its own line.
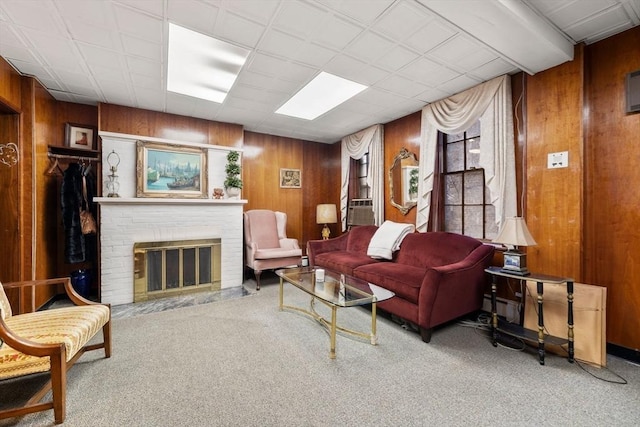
x=201 y=66
x=320 y=95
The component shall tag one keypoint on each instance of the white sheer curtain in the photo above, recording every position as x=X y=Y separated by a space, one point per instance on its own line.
x=355 y=146
x=491 y=103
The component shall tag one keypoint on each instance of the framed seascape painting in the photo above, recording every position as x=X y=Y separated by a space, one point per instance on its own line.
x=290 y=178
x=170 y=170
x=81 y=137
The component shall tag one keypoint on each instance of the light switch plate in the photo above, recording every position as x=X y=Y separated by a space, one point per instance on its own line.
x=558 y=160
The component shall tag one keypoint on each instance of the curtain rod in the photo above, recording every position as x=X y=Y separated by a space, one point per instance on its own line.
x=73 y=157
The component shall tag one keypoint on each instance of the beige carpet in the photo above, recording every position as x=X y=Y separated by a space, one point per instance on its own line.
x=241 y=362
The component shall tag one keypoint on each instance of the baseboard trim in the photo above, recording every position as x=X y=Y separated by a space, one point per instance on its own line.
x=624 y=353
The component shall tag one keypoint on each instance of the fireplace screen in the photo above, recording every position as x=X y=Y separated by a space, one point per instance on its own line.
x=170 y=268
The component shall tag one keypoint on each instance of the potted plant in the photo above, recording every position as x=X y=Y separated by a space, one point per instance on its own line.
x=233 y=182
x=413 y=184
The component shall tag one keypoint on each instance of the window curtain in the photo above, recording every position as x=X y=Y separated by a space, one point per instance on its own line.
x=491 y=103
x=355 y=146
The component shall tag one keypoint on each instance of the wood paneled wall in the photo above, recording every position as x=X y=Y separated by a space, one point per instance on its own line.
x=554 y=196
x=612 y=172
x=263 y=157
x=404 y=132
x=135 y=121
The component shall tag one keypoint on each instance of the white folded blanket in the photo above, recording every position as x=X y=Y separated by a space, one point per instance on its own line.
x=387 y=239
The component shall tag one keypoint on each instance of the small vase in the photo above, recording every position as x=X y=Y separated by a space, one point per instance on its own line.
x=233 y=192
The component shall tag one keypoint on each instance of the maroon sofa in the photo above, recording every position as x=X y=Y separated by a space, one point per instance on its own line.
x=437 y=277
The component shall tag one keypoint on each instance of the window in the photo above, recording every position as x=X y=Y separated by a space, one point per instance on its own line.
x=466 y=206
x=362 y=167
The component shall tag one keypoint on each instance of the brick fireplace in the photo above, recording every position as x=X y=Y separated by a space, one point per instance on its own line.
x=128 y=219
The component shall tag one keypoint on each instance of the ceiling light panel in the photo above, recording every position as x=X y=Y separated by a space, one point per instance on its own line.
x=201 y=66
x=320 y=95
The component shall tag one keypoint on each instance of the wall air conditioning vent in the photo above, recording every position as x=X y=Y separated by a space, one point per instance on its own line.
x=360 y=212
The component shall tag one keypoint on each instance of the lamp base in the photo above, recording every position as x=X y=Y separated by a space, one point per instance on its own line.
x=326 y=232
x=515 y=262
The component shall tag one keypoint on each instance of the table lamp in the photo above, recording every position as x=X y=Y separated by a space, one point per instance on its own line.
x=515 y=233
x=326 y=214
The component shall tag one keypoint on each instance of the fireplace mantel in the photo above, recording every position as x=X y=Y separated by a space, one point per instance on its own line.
x=165 y=201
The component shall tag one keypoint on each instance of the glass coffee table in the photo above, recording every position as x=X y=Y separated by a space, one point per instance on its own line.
x=335 y=291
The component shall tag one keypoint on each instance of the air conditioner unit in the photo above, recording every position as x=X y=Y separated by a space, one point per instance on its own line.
x=360 y=212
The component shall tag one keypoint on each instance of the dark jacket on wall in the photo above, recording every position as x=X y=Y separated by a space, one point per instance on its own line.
x=78 y=247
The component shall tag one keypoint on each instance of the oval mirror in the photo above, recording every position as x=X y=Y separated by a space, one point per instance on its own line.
x=403 y=181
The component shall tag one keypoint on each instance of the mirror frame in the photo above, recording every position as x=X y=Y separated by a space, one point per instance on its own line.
x=397 y=162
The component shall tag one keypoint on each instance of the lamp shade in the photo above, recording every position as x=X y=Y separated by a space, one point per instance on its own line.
x=515 y=232
x=326 y=214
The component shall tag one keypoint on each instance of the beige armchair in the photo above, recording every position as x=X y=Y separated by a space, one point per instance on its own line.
x=266 y=243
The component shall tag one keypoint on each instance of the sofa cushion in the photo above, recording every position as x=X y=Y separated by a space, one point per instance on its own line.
x=403 y=280
x=359 y=238
x=435 y=249
x=343 y=261
x=73 y=326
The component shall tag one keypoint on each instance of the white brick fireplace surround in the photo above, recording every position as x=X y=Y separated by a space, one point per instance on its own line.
x=128 y=219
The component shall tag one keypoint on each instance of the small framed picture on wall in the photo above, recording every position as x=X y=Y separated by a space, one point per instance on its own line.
x=290 y=178
x=80 y=137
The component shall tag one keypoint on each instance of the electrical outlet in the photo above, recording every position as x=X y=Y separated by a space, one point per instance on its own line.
x=558 y=160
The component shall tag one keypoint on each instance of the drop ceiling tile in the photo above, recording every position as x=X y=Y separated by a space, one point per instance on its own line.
x=379 y=97
x=90 y=13
x=280 y=44
x=74 y=76
x=29 y=68
x=402 y=20
x=192 y=14
x=431 y=95
x=567 y=13
x=99 y=57
x=57 y=52
x=238 y=30
x=63 y=96
x=152 y=7
x=103 y=74
x=145 y=67
x=9 y=36
x=401 y=85
x=428 y=72
x=492 y=69
x=603 y=24
x=88 y=92
x=345 y=66
x=142 y=48
x=364 y=12
x=313 y=55
x=459 y=84
x=456 y=49
x=15 y=53
x=338 y=33
x=300 y=18
x=138 y=24
x=428 y=37
x=397 y=58
x=147 y=82
x=370 y=75
x=49 y=83
x=94 y=35
x=260 y=11
x=369 y=46
x=21 y=14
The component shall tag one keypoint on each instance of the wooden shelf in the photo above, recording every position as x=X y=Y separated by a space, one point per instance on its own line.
x=67 y=152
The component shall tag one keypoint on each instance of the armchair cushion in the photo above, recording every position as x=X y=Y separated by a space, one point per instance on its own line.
x=73 y=326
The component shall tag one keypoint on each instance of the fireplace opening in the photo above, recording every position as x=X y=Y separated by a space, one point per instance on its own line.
x=164 y=269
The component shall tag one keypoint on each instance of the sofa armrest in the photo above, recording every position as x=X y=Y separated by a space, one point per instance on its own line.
x=317 y=247
x=452 y=290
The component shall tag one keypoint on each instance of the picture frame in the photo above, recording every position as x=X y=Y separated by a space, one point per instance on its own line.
x=170 y=170
x=80 y=137
x=290 y=178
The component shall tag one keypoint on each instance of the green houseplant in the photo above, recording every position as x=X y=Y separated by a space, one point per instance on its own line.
x=233 y=182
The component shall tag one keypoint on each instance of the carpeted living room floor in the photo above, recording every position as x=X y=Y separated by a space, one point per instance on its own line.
x=238 y=361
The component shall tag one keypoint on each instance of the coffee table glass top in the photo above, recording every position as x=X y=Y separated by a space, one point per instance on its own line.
x=352 y=293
